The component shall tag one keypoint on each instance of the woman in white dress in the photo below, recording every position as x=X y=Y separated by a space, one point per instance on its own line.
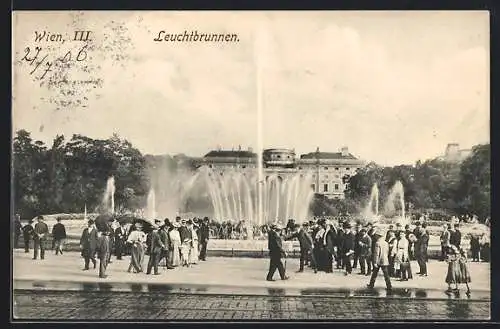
x=175 y=238
x=193 y=253
x=137 y=239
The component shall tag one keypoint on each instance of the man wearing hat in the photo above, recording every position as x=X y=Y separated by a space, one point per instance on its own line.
x=348 y=242
x=27 y=235
x=103 y=246
x=39 y=237
x=365 y=252
x=186 y=236
x=306 y=244
x=156 y=246
x=163 y=232
x=88 y=244
x=204 y=235
x=276 y=252
x=380 y=260
x=121 y=234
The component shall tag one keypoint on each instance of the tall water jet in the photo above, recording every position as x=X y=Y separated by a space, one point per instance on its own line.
x=109 y=196
x=372 y=208
x=151 y=204
x=260 y=145
x=397 y=196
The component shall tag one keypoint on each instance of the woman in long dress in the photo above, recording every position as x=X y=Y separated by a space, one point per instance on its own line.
x=137 y=239
x=175 y=238
x=458 y=272
x=193 y=253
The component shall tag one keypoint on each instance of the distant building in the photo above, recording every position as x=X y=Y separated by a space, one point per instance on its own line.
x=329 y=170
x=453 y=153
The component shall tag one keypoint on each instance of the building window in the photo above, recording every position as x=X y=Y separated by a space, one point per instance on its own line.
x=326 y=177
x=279 y=156
x=210 y=166
x=326 y=168
x=222 y=174
x=300 y=168
x=347 y=168
x=337 y=176
x=336 y=168
x=243 y=167
x=325 y=188
x=313 y=187
x=336 y=187
x=314 y=176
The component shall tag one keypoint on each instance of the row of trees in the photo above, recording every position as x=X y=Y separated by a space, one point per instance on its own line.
x=68 y=174
x=453 y=188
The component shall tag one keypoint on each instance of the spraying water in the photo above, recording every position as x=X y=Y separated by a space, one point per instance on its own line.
x=397 y=196
x=372 y=208
x=108 y=200
x=260 y=145
x=151 y=204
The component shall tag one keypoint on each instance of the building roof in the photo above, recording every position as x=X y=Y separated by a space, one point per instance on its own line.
x=327 y=155
x=230 y=154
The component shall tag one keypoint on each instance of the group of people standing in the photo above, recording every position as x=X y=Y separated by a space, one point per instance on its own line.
x=323 y=244
x=179 y=243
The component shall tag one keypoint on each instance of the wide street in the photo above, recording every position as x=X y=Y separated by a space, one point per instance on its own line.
x=233 y=288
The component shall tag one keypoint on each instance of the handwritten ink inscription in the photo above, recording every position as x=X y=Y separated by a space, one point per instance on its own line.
x=62 y=63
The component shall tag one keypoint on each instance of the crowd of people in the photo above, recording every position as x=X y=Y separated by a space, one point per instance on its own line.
x=324 y=244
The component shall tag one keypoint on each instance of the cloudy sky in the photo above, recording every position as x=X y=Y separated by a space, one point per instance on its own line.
x=394 y=87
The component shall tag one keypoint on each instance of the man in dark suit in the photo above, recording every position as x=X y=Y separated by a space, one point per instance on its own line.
x=456 y=237
x=40 y=233
x=121 y=235
x=164 y=233
x=156 y=247
x=88 y=244
x=306 y=245
x=421 y=246
x=365 y=252
x=28 y=233
x=276 y=252
x=204 y=233
x=348 y=246
x=103 y=247
x=58 y=234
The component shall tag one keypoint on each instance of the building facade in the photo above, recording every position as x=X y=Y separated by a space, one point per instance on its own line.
x=329 y=170
x=454 y=153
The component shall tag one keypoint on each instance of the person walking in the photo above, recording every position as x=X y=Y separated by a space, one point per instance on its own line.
x=88 y=244
x=59 y=236
x=204 y=232
x=103 y=248
x=193 y=251
x=40 y=237
x=380 y=260
x=155 y=250
x=474 y=247
x=276 y=253
x=457 y=269
x=28 y=233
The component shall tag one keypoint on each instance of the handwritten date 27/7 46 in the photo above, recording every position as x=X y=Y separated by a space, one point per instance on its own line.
x=37 y=58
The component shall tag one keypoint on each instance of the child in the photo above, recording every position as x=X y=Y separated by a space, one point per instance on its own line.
x=457 y=269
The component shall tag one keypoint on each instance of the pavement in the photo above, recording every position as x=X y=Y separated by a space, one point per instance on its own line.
x=234 y=288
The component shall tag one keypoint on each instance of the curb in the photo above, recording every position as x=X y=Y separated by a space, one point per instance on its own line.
x=200 y=289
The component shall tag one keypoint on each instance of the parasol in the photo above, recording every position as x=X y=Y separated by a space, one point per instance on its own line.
x=102 y=222
x=147 y=226
x=127 y=219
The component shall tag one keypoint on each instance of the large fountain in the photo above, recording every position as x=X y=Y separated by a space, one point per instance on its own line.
x=371 y=211
x=397 y=198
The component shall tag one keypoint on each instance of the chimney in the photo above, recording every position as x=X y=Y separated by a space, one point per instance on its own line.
x=317 y=149
x=345 y=151
x=239 y=147
x=250 y=149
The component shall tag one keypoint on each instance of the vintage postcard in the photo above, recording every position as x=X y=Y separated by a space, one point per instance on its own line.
x=273 y=165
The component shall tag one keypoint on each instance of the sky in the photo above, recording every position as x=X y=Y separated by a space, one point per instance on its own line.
x=394 y=87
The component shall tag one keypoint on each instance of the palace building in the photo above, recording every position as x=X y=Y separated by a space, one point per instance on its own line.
x=329 y=170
